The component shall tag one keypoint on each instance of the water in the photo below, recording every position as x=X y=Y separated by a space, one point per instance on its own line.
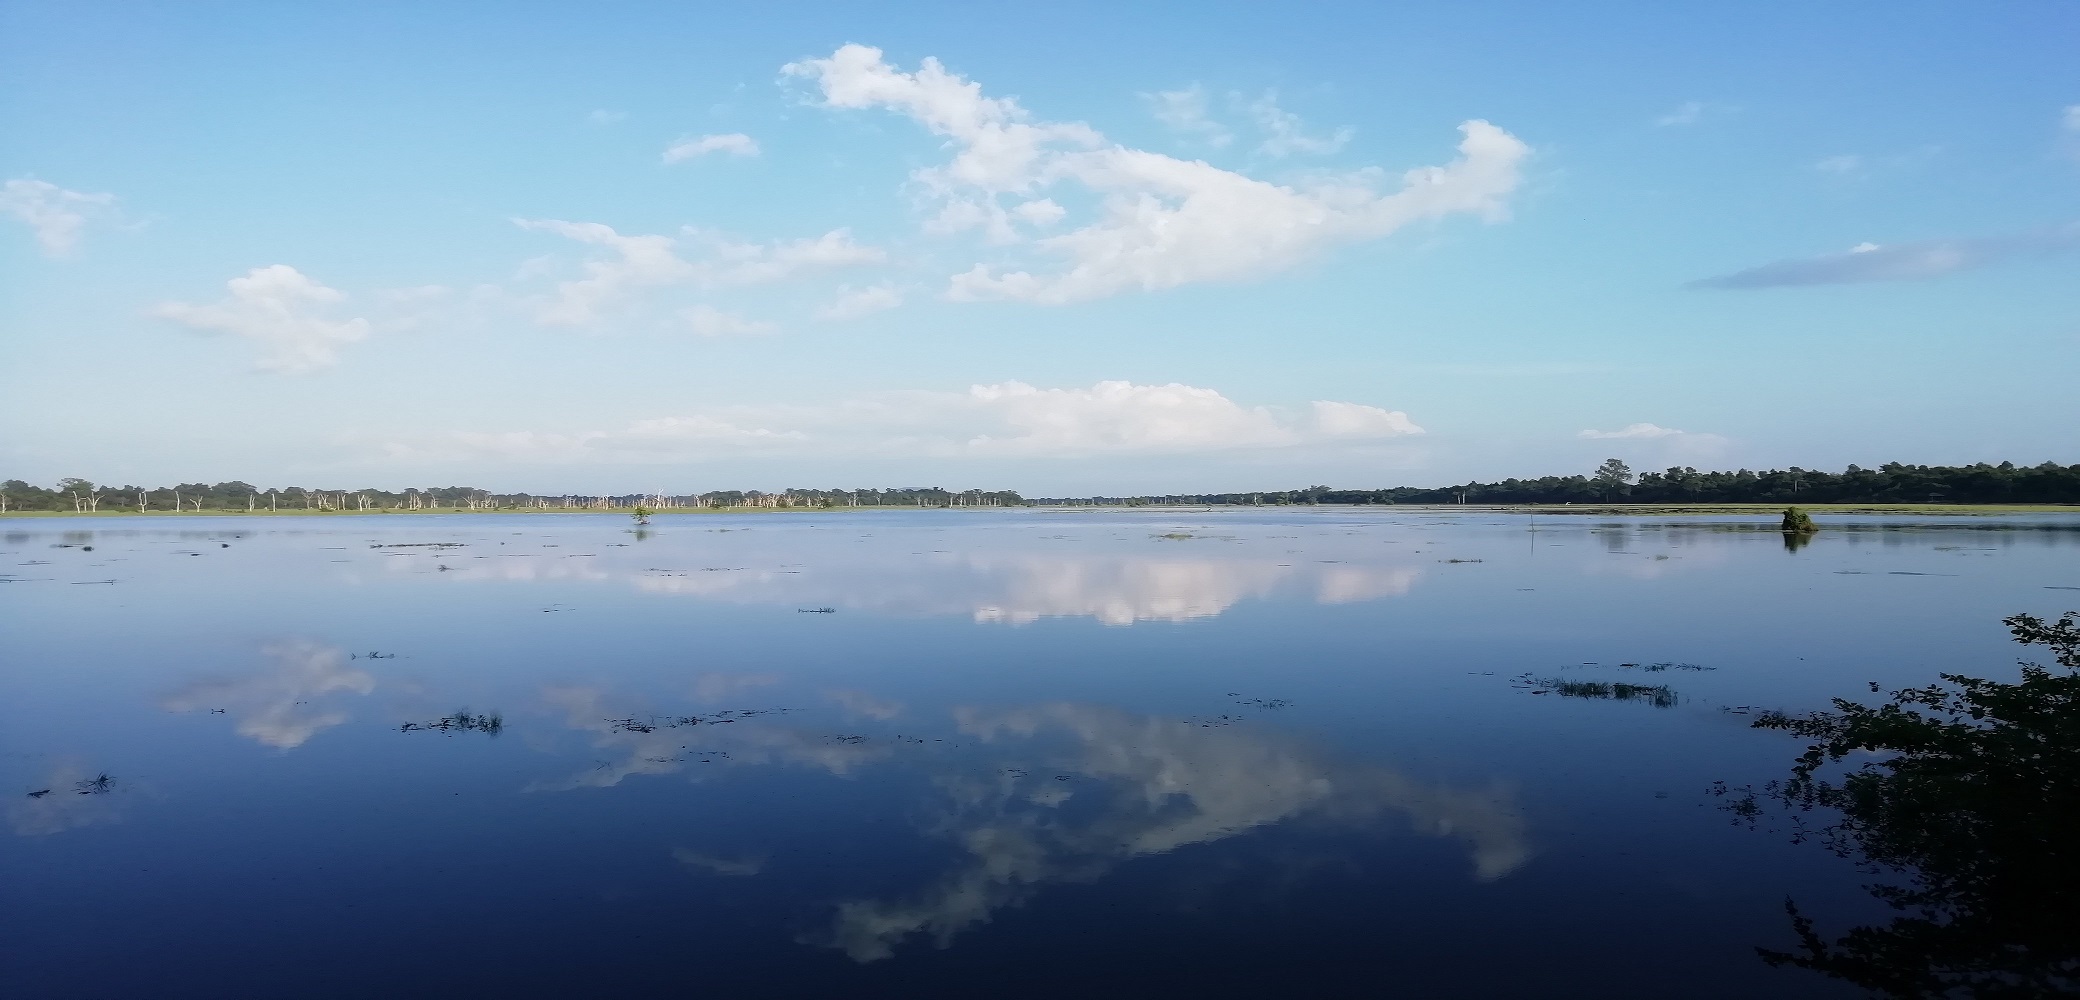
x=1008 y=753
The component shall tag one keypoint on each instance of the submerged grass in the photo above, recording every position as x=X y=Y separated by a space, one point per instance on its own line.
x=1657 y=695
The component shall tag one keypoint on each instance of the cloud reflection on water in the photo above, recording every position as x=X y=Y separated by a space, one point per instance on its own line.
x=1017 y=584
x=1022 y=588
x=1164 y=784
x=278 y=707
x=71 y=797
x=1053 y=793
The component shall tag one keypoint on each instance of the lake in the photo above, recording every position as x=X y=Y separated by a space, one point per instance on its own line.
x=1250 y=752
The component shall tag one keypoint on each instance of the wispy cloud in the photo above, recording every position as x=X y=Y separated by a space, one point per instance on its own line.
x=1686 y=113
x=709 y=321
x=1161 y=222
x=1840 y=166
x=601 y=116
x=853 y=303
x=57 y=216
x=1285 y=134
x=282 y=310
x=1185 y=111
x=1006 y=419
x=1631 y=432
x=636 y=263
x=691 y=147
x=1901 y=261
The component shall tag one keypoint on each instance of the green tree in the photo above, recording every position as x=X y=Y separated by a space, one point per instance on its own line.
x=1612 y=478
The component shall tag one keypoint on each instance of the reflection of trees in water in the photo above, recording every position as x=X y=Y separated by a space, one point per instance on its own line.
x=1975 y=811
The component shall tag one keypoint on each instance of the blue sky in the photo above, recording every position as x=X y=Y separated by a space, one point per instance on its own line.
x=1065 y=250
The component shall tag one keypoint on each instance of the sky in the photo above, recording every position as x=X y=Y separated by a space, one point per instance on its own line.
x=1066 y=249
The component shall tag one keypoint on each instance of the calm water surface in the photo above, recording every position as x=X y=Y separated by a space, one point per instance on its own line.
x=1254 y=753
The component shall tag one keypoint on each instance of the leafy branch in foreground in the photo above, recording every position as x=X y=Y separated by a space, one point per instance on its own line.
x=1974 y=807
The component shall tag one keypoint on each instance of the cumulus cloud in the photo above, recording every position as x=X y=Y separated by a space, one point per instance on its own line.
x=634 y=264
x=853 y=303
x=709 y=321
x=1161 y=222
x=280 y=309
x=1630 y=432
x=1186 y=112
x=1284 y=135
x=1686 y=113
x=57 y=216
x=999 y=419
x=690 y=147
x=1901 y=261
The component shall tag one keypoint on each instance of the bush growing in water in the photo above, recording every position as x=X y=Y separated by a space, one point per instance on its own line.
x=1798 y=521
x=1972 y=806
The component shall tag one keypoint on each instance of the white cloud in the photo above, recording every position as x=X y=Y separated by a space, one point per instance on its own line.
x=853 y=303
x=1122 y=416
x=709 y=321
x=1630 y=432
x=1162 y=222
x=1686 y=113
x=1664 y=440
x=1866 y=262
x=1002 y=419
x=1840 y=166
x=1284 y=133
x=279 y=308
x=55 y=214
x=758 y=263
x=734 y=143
x=1185 y=111
x=640 y=262
x=653 y=261
x=1358 y=420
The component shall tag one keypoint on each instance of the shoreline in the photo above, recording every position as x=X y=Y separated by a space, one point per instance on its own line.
x=1565 y=510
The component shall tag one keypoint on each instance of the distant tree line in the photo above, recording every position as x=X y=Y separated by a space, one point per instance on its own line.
x=1613 y=482
x=83 y=496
